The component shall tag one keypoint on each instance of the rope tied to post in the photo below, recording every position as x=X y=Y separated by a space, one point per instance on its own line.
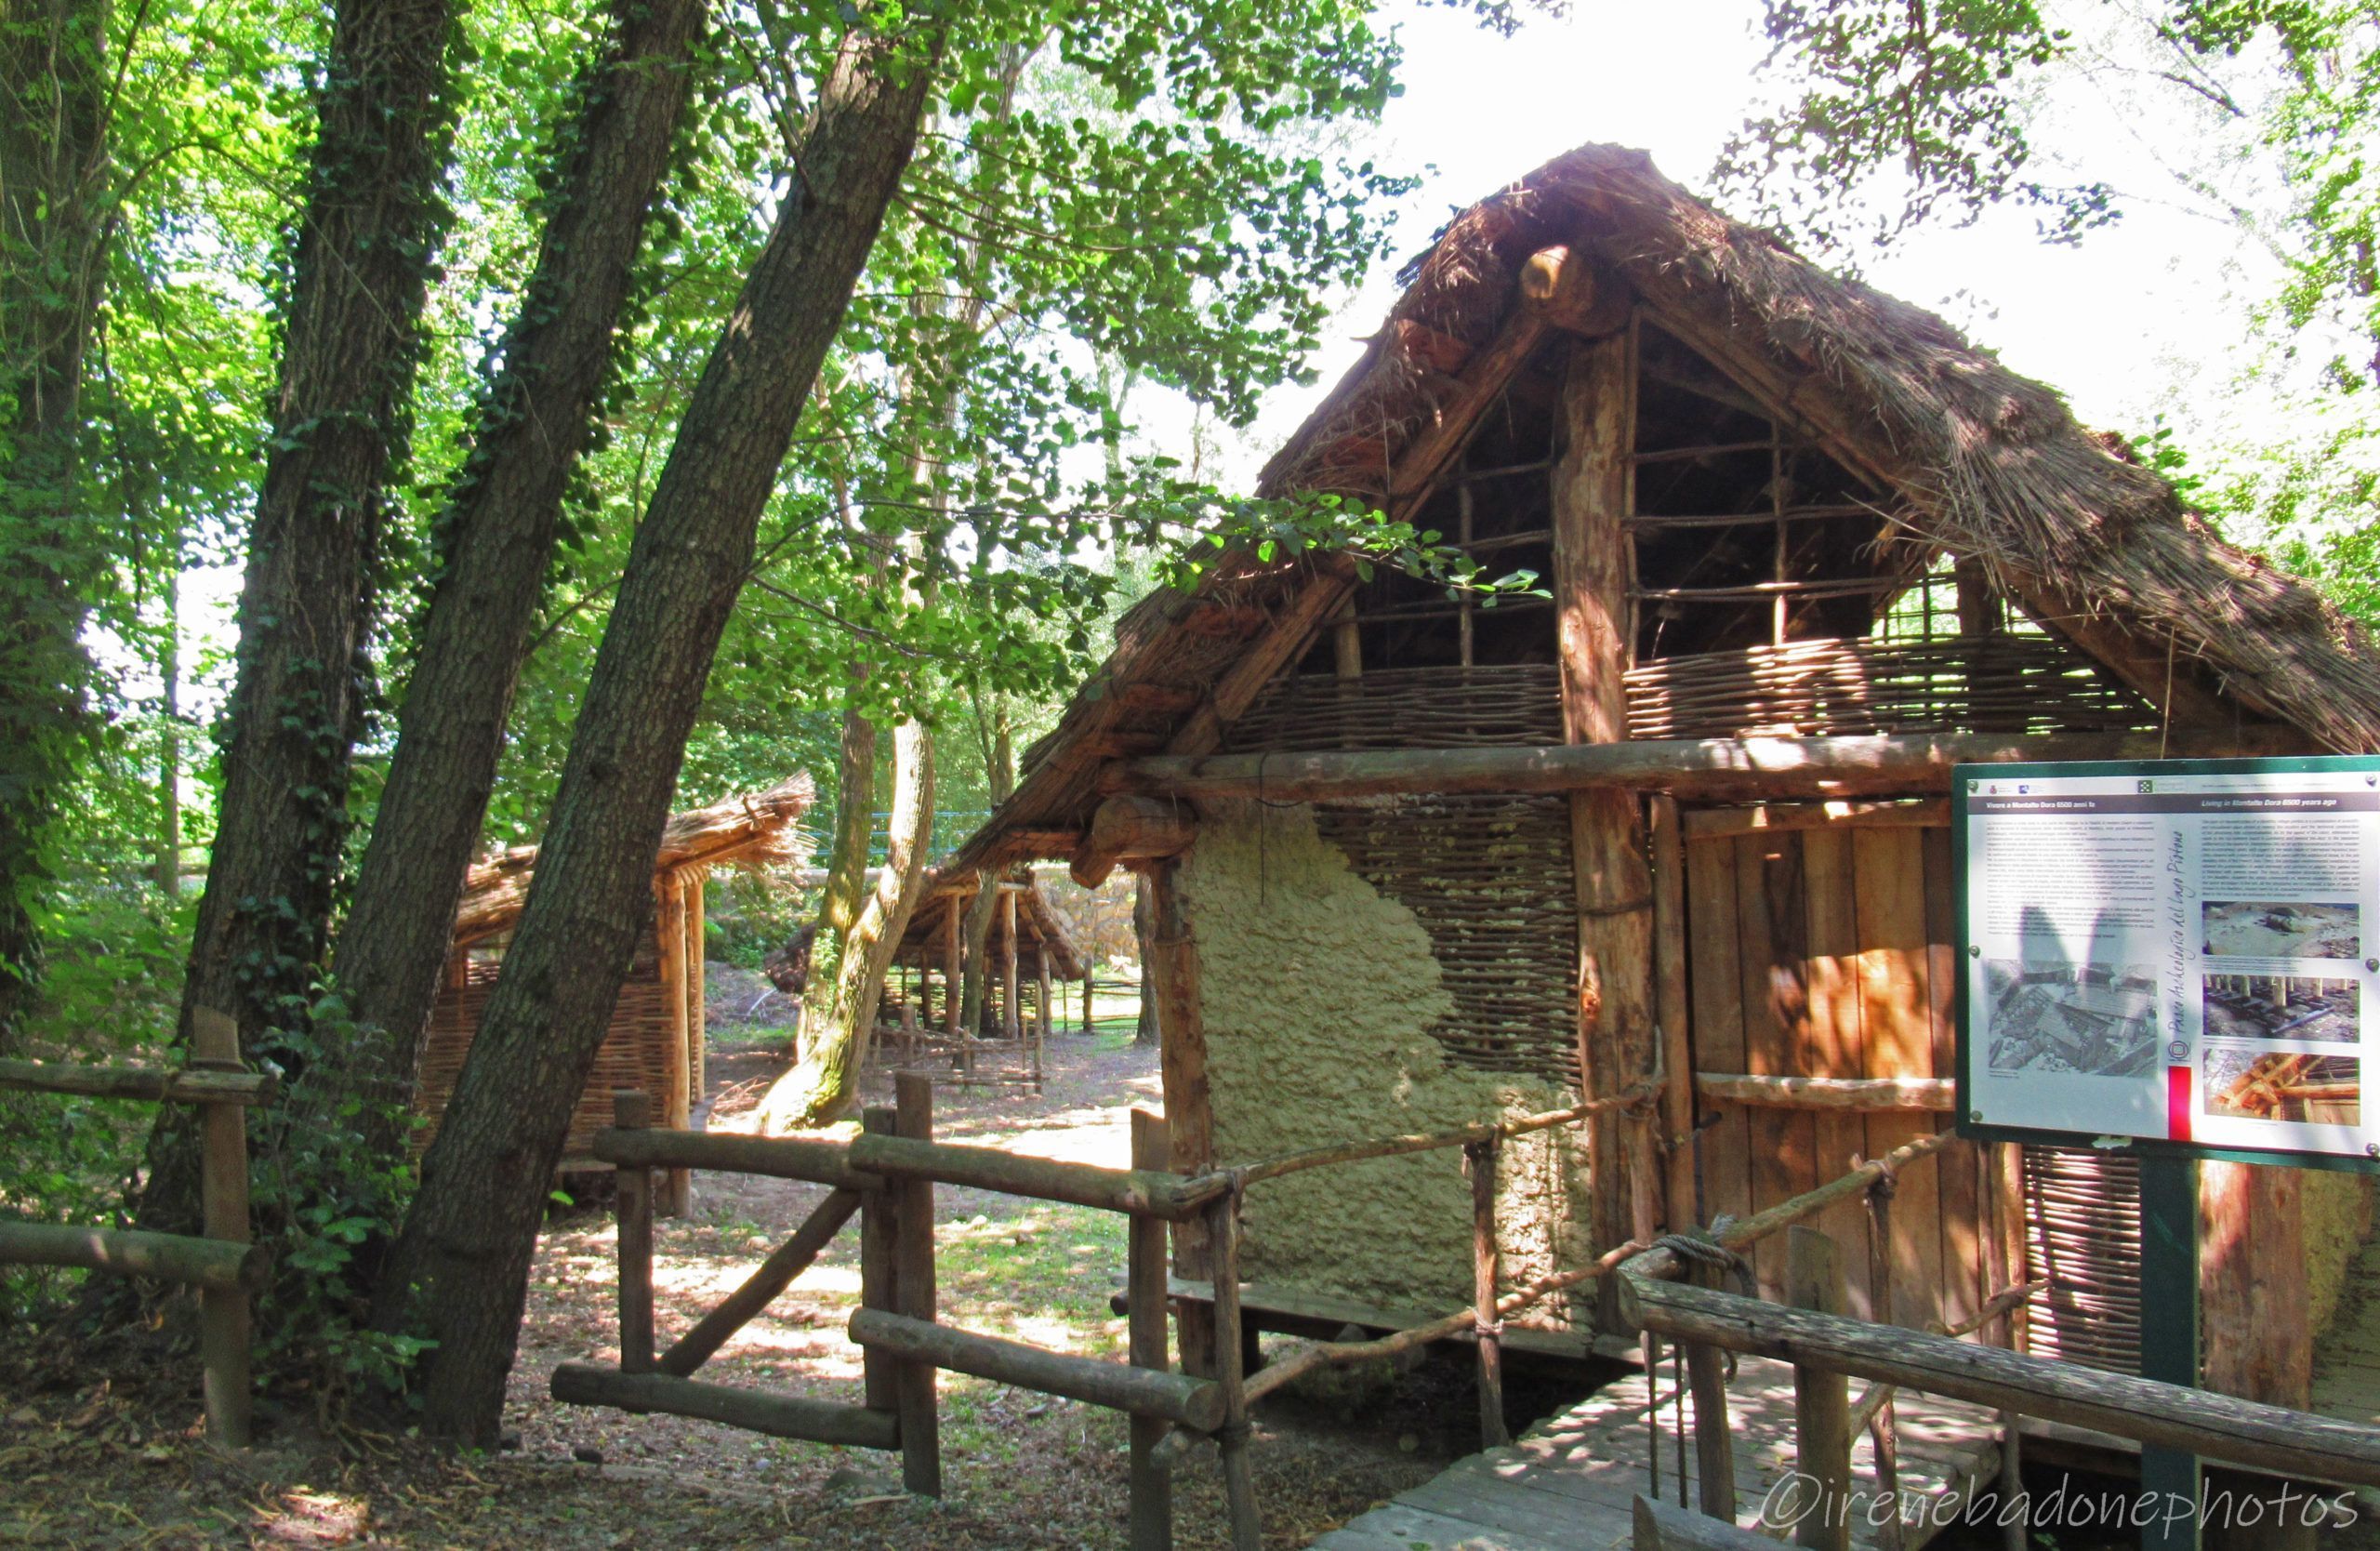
x=1701 y=1246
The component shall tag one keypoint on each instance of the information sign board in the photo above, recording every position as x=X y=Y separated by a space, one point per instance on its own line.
x=2180 y=954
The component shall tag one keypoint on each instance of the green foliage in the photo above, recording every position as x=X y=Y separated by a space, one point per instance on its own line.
x=1889 y=116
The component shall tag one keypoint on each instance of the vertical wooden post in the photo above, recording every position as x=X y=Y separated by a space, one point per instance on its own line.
x=1885 y=1429
x=1592 y=493
x=1089 y=1025
x=1486 y=1324
x=879 y=1243
x=2172 y=1272
x=697 y=998
x=1814 y=1279
x=1011 y=1015
x=223 y=1194
x=1189 y=1114
x=1152 y=1501
x=913 y=1280
x=1239 y=1483
x=1041 y=1012
x=1714 y=1437
x=953 y=977
x=1679 y=1209
x=632 y=1111
x=669 y=938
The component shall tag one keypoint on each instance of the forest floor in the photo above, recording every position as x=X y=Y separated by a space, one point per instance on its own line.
x=107 y=1454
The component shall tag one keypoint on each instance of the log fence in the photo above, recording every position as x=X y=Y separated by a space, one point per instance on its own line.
x=1672 y=1289
x=222 y=1262
x=886 y=1176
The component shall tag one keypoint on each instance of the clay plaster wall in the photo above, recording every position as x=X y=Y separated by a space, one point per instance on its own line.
x=1318 y=993
x=2337 y=1210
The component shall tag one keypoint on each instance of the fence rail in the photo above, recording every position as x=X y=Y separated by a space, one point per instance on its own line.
x=223 y=1264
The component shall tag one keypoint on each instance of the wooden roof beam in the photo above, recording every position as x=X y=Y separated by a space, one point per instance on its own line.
x=1702 y=769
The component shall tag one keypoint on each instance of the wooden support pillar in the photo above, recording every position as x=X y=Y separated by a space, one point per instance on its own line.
x=1012 y=1015
x=1189 y=1112
x=1680 y=1210
x=1814 y=1279
x=223 y=1312
x=697 y=994
x=1487 y=1326
x=953 y=974
x=669 y=941
x=1041 y=1011
x=1592 y=494
x=913 y=1281
x=632 y=1111
x=1087 y=1022
x=1152 y=1483
x=2252 y=1230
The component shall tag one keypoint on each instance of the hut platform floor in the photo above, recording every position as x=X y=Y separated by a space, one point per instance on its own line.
x=1570 y=1481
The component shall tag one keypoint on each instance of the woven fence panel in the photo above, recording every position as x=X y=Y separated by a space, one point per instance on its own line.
x=2082 y=1236
x=1407 y=708
x=635 y=1053
x=1489 y=878
x=1999 y=683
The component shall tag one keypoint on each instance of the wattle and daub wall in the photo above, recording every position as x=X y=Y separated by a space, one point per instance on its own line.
x=1320 y=995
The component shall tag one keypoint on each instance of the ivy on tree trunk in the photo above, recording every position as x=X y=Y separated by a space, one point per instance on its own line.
x=460 y=1269
x=495 y=542
x=359 y=268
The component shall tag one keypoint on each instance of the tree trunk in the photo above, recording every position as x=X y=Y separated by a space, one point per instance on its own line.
x=496 y=538
x=460 y=1270
x=54 y=170
x=1147 y=1031
x=822 y=1085
x=354 y=338
x=846 y=887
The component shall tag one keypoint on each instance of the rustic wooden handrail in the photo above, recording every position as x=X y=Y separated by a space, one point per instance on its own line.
x=149 y=1084
x=1664 y=1264
x=220 y=1261
x=1864 y=1094
x=2175 y=1416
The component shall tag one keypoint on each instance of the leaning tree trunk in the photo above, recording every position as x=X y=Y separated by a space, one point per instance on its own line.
x=496 y=540
x=823 y=1083
x=460 y=1270
x=342 y=419
x=54 y=170
x=846 y=889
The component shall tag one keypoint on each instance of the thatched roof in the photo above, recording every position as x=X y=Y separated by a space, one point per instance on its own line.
x=947 y=893
x=1988 y=464
x=755 y=830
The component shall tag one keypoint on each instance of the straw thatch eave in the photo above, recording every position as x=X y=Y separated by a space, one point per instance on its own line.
x=1987 y=463
x=755 y=831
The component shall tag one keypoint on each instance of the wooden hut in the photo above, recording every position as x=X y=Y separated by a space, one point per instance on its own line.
x=655 y=1042
x=1682 y=823
x=1032 y=954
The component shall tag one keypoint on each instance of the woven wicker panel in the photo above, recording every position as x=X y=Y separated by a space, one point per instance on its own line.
x=2000 y=683
x=635 y=1054
x=1407 y=708
x=2082 y=1234
x=1489 y=878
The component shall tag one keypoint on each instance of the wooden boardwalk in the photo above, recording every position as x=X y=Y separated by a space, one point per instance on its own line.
x=1567 y=1485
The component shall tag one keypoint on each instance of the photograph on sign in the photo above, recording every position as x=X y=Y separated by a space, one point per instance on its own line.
x=2171 y=951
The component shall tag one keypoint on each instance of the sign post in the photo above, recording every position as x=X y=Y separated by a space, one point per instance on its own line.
x=2169 y=1337
x=2175 y=959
